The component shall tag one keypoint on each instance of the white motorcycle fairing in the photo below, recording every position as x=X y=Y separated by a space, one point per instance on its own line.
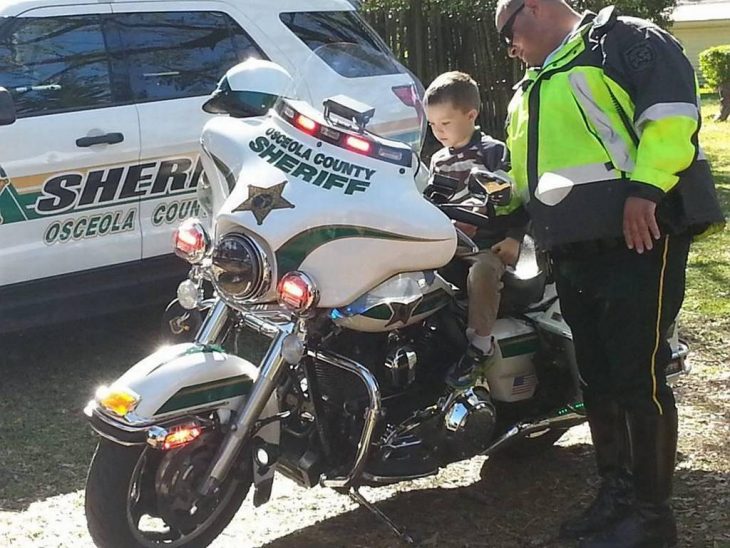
x=310 y=204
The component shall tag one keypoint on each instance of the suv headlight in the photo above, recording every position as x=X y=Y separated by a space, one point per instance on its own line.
x=239 y=266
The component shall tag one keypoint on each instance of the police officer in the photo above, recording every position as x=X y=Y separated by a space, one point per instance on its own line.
x=603 y=134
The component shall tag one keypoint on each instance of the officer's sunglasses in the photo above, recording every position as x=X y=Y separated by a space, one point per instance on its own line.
x=506 y=33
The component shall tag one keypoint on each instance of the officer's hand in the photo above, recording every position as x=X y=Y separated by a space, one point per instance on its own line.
x=640 y=224
x=466 y=228
x=508 y=250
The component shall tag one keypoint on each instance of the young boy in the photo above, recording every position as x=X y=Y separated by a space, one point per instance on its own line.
x=452 y=105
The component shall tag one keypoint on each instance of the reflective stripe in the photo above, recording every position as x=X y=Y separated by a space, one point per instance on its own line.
x=701 y=154
x=665 y=110
x=617 y=148
x=588 y=173
x=554 y=186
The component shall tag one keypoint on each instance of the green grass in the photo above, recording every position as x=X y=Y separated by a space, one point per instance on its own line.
x=706 y=312
x=46 y=378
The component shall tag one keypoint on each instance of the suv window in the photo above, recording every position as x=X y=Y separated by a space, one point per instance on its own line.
x=181 y=54
x=55 y=64
x=319 y=28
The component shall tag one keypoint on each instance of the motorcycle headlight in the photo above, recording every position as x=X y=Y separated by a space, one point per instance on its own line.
x=239 y=267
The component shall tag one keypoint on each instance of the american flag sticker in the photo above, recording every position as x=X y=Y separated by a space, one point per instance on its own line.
x=524 y=384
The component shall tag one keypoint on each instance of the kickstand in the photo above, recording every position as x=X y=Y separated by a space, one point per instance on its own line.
x=400 y=532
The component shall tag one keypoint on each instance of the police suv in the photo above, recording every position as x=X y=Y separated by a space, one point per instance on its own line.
x=100 y=119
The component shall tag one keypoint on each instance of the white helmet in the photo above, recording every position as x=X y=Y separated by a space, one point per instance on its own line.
x=249 y=89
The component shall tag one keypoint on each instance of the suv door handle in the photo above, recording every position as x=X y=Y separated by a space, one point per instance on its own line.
x=106 y=139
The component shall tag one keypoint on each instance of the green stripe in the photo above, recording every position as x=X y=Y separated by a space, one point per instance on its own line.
x=291 y=255
x=10 y=199
x=379 y=312
x=200 y=394
x=432 y=301
x=11 y=210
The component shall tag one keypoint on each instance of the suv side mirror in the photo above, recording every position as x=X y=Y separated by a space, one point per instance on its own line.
x=7 y=108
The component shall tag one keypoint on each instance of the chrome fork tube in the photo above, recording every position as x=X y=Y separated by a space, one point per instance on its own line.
x=266 y=382
x=214 y=324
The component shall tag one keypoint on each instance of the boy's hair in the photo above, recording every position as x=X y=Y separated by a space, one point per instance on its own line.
x=455 y=87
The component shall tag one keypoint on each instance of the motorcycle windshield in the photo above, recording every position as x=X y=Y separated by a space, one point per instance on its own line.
x=377 y=116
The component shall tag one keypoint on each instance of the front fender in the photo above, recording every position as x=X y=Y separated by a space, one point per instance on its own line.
x=185 y=377
x=176 y=381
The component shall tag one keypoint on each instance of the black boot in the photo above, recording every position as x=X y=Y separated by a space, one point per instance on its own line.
x=610 y=441
x=651 y=522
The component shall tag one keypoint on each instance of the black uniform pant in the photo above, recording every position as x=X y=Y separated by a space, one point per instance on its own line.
x=619 y=305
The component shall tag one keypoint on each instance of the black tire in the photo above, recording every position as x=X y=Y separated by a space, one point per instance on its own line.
x=529 y=447
x=111 y=473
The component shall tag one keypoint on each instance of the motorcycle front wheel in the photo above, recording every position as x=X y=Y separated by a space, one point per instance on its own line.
x=141 y=497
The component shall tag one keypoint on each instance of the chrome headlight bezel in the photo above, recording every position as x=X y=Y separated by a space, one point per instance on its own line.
x=261 y=281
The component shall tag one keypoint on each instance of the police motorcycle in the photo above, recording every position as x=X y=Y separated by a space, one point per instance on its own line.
x=323 y=244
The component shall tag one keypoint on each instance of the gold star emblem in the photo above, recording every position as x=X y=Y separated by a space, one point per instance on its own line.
x=402 y=312
x=262 y=201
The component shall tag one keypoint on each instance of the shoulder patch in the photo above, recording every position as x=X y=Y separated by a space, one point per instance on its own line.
x=640 y=56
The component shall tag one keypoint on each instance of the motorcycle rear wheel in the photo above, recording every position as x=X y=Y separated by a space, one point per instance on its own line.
x=120 y=500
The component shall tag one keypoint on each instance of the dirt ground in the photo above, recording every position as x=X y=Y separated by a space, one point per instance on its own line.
x=47 y=375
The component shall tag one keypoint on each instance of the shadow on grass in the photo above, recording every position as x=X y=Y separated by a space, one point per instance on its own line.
x=517 y=503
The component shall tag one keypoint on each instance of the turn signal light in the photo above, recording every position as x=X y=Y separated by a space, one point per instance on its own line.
x=181 y=436
x=191 y=241
x=119 y=402
x=297 y=291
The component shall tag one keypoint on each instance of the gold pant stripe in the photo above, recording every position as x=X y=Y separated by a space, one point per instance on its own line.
x=658 y=322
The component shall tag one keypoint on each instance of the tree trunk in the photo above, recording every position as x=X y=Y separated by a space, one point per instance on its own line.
x=724 y=90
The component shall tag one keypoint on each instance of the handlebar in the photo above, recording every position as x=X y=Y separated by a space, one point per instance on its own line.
x=458 y=213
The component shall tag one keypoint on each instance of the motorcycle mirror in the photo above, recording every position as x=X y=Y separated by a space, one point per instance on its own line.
x=7 y=108
x=441 y=188
x=497 y=185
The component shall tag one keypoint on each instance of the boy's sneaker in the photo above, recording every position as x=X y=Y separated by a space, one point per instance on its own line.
x=463 y=374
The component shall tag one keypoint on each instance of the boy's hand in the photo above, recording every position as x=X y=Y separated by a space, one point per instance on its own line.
x=469 y=230
x=508 y=250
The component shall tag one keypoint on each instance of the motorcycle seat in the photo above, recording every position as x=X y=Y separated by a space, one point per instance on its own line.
x=524 y=284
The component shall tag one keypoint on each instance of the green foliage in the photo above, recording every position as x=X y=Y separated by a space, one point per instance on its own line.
x=715 y=65
x=654 y=10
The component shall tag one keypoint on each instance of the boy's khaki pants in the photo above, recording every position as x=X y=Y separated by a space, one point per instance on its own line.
x=484 y=284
